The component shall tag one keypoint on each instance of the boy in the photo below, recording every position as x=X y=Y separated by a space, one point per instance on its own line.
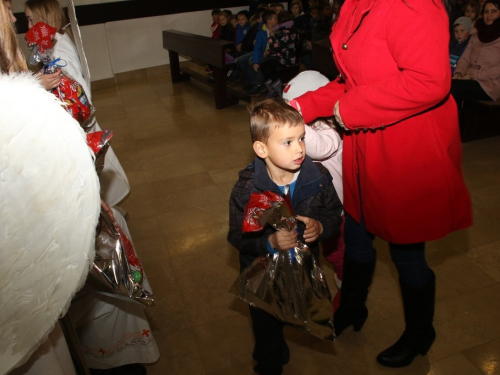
x=461 y=31
x=214 y=27
x=241 y=29
x=277 y=132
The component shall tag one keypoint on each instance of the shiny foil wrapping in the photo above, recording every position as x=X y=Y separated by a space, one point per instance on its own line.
x=289 y=285
x=116 y=266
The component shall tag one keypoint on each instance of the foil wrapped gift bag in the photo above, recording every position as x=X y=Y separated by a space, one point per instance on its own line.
x=289 y=285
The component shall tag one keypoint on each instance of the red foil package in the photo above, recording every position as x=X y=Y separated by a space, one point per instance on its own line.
x=99 y=142
x=69 y=91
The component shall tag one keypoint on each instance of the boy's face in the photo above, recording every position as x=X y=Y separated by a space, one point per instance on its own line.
x=295 y=10
x=279 y=8
x=272 y=21
x=313 y=3
x=460 y=33
x=234 y=22
x=222 y=20
x=242 y=20
x=285 y=149
x=215 y=18
x=314 y=14
x=470 y=12
x=327 y=11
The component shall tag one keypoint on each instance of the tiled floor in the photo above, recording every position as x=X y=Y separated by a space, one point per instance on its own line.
x=182 y=157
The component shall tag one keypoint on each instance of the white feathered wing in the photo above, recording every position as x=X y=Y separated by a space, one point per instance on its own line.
x=49 y=206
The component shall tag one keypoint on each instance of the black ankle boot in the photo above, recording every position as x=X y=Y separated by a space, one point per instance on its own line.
x=419 y=333
x=352 y=309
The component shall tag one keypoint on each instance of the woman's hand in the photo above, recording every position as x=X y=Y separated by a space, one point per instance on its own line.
x=50 y=81
x=457 y=76
x=336 y=113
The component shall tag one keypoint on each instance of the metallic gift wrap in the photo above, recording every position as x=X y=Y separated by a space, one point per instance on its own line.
x=289 y=285
x=112 y=267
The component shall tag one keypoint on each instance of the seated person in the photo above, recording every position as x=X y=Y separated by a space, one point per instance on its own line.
x=300 y=19
x=226 y=29
x=477 y=74
x=251 y=66
x=214 y=27
x=242 y=29
x=461 y=32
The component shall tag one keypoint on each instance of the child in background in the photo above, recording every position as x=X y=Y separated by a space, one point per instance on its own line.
x=277 y=132
x=241 y=29
x=461 y=32
x=214 y=27
x=279 y=8
x=471 y=10
x=260 y=54
x=234 y=22
x=283 y=50
x=324 y=144
x=226 y=30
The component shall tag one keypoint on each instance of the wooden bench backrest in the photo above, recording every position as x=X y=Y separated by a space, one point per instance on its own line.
x=203 y=48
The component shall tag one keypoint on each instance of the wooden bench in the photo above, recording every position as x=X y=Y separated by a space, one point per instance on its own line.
x=205 y=49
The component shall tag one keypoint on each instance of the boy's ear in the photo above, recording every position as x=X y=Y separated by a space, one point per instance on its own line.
x=260 y=149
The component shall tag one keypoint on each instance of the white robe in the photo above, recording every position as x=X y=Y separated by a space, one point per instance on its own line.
x=114 y=182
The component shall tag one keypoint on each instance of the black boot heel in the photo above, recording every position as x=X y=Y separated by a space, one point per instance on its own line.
x=419 y=334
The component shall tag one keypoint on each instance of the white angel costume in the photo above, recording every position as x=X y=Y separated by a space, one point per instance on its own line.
x=49 y=207
x=114 y=182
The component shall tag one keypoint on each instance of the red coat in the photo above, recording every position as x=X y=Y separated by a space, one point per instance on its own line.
x=405 y=142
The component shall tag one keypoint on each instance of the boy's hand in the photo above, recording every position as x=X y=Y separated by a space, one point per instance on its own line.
x=283 y=240
x=255 y=67
x=313 y=228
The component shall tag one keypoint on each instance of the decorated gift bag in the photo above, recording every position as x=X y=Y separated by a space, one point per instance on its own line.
x=39 y=39
x=288 y=284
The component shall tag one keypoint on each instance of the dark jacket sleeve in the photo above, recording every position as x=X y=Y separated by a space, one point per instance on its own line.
x=247 y=243
x=325 y=207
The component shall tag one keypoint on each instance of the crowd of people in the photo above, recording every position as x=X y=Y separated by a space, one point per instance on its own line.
x=372 y=131
x=269 y=38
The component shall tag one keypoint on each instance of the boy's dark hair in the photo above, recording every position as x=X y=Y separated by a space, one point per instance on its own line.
x=284 y=16
x=216 y=11
x=245 y=13
x=279 y=5
x=258 y=12
x=313 y=8
x=263 y=6
x=268 y=13
x=272 y=5
x=269 y=114
x=228 y=12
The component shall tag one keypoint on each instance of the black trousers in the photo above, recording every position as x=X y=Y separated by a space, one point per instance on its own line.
x=269 y=342
x=467 y=89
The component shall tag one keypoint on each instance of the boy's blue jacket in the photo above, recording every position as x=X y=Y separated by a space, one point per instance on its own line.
x=314 y=196
x=241 y=31
x=260 y=43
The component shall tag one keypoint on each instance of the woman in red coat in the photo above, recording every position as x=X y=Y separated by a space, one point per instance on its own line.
x=402 y=154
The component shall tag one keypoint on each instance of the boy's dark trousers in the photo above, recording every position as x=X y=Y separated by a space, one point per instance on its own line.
x=269 y=342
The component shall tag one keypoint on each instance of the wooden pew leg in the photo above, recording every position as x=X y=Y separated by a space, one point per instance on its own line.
x=175 y=68
x=222 y=100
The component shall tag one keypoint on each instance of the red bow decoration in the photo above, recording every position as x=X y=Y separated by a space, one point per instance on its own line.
x=41 y=34
x=260 y=206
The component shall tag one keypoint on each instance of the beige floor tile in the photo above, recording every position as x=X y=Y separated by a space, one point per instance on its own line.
x=470 y=319
x=486 y=257
x=224 y=343
x=456 y=365
x=485 y=357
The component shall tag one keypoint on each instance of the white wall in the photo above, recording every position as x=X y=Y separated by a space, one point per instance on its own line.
x=122 y=46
